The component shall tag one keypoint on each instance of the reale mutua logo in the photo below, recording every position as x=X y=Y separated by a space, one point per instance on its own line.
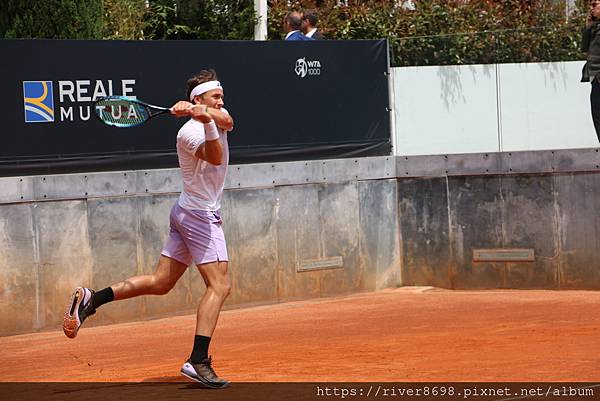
x=38 y=100
x=72 y=101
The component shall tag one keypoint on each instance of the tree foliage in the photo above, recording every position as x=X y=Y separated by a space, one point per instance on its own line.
x=123 y=19
x=128 y=19
x=58 y=19
x=206 y=19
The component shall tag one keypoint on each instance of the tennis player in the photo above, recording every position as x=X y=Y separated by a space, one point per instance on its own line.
x=195 y=227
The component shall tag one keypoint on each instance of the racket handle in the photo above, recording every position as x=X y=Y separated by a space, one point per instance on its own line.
x=181 y=109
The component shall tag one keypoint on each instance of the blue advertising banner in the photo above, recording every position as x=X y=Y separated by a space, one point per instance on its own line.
x=289 y=101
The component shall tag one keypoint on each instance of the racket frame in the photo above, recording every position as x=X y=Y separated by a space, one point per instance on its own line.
x=151 y=110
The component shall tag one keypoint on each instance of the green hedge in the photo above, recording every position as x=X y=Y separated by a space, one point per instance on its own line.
x=440 y=32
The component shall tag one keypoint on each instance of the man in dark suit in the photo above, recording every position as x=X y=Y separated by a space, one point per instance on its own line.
x=309 y=25
x=291 y=26
x=591 y=70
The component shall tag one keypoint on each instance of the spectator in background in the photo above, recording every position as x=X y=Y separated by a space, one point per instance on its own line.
x=291 y=26
x=309 y=25
x=591 y=70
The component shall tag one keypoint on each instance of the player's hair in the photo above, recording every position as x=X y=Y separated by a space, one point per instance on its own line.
x=294 y=20
x=200 y=78
x=310 y=16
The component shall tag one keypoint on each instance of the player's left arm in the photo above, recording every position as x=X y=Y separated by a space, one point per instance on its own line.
x=221 y=118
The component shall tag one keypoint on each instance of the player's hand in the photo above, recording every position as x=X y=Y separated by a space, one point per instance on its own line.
x=200 y=112
x=181 y=108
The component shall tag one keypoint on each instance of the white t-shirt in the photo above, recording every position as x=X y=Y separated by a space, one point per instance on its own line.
x=202 y=182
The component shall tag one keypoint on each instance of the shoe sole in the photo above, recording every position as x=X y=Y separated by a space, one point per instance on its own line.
x=71 y=322
x=203 y=382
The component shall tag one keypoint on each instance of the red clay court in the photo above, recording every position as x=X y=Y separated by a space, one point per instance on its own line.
x=405 y=334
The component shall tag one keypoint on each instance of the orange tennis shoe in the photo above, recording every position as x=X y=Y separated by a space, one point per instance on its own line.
x=78 y=310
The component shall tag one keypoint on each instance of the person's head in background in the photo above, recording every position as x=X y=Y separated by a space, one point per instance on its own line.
x=309 y=20
x=292 y=22
x=595 y=10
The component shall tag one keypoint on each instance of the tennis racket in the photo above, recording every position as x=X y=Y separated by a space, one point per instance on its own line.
x=124 y=112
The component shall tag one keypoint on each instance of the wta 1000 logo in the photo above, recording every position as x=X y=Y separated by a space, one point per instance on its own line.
x=74 y=100
x=306 y=67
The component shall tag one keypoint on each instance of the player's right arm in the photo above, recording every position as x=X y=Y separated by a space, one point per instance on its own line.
x=221 y=118
x=211 y=150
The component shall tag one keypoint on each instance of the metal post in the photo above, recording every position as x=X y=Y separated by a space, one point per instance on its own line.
x=260 y=29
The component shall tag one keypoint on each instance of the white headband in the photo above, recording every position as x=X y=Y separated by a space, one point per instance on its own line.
x=203 y=88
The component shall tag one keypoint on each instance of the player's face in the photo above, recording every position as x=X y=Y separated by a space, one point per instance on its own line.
x=214 y=98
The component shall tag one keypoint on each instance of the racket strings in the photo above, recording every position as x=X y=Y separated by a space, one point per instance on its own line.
x=121 y=112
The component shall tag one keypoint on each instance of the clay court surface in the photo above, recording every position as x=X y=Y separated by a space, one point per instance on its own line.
x=405 y=334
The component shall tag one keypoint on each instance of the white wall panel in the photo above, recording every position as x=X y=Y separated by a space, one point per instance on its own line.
x=490 y=108
x=544 y=106
x=445 y=109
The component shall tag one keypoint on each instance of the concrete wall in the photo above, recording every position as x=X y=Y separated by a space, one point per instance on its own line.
x=442 y=220
x=62 y=231
x=491 y=108
x=389 y=221
x=450 y=205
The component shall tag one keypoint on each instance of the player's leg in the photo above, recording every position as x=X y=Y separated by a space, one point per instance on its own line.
x=218 y=288
x=160 y=282
x=172 y=263
x=204 y=238
x=85 y=301
x=199 y=365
